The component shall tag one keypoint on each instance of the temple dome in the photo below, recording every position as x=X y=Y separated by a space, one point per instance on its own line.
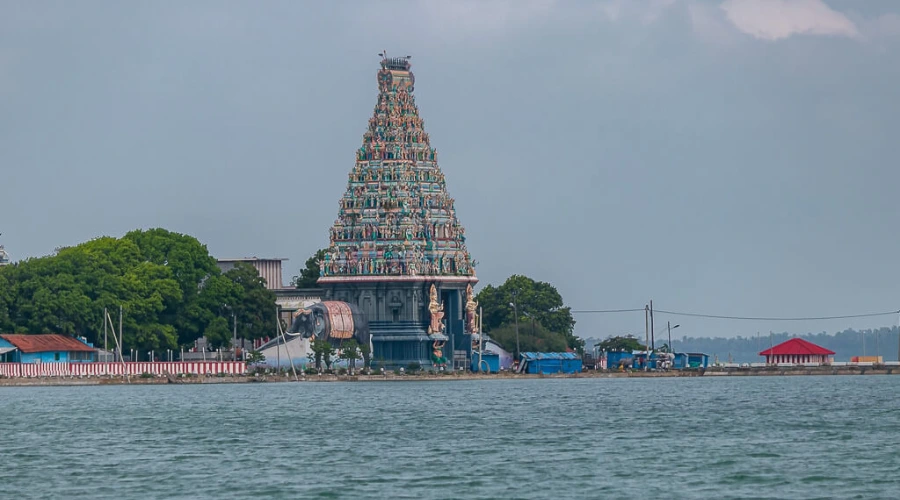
x=396 y=217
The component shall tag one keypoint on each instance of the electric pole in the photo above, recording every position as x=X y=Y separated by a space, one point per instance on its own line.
x=669 y=328
x=647 y=334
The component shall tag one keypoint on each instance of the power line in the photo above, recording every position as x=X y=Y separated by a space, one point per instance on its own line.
x=743 y=318
x=763 y=318
x=607 y=311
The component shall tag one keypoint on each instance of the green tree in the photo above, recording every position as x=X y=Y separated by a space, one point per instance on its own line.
x=255 y=358
x=536 y=301
x=188 y=259
x=627 y=343
x=532 y=338
x=190 y=265
x=66 y=293
x=169 y=288
x=309 y=275
x=254 y=304
x=218 y=333
x=350 y=352
x=6 y=299
x=322 y=351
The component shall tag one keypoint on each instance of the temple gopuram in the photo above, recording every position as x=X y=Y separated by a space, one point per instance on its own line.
x=397 y=249
x=4 y=257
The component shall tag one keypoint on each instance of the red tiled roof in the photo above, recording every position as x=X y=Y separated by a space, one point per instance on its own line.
x=46 y=342
x=796 y=346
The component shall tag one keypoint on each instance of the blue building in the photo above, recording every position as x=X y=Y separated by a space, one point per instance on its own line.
x=46 y=348
x=550 y=362
x=487 y=362
x=690 y=360
x=619 y=359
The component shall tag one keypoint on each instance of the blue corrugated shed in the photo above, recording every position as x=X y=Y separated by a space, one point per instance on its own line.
x=690 y=360
x=697 y=360
x=616 y=358
x=488 y=362
x=551 y=362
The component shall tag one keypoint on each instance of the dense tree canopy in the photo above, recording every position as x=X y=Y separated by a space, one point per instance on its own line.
x=309 y=275
x=627 y=343
x=6 y=298
x=533 y=337
x=169 y=287
x=540 y=308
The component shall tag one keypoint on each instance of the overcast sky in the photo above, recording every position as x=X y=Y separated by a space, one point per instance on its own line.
x=731 y=158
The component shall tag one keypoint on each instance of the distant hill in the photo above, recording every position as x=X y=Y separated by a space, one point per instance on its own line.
x=846 y=344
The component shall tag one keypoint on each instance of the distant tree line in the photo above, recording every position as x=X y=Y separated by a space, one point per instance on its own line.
x=170 y=288
x=846 y=344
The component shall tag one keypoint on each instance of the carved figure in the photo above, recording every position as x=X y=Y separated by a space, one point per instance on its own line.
x=437 y=353
x=436 y=308
x=471 y=311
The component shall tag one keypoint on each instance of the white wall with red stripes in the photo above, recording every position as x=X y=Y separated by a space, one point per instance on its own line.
x=98 y=369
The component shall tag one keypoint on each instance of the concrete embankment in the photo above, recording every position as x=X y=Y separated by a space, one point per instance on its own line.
x=243 y=379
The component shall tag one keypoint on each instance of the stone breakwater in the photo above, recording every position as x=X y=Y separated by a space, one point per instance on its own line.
x=270 y=378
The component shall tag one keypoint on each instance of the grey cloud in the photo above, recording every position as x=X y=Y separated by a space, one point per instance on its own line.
x=620 y=160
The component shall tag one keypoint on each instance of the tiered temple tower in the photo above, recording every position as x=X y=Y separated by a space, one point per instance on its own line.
x=4 y=257
x=397 y=249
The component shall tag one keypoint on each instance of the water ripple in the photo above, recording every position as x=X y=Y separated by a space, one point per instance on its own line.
x=755 y=437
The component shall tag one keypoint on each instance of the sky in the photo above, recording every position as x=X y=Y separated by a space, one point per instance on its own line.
x=733 y=157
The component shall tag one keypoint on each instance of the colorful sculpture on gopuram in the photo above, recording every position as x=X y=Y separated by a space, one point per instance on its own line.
x=396 y=217
x=4 y=257
x=397 y=249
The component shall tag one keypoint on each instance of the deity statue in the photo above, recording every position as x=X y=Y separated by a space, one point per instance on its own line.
x=436 y=308
x=471 y=311
x=437 y=353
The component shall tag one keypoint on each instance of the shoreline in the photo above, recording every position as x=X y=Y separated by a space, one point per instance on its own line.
x=390 y=377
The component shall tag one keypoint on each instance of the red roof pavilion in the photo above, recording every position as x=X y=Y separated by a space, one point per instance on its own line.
x=797 y=350
x=45 y=343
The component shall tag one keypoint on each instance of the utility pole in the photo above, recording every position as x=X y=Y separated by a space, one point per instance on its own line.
x=121 y=333
x=277 y=345
x=646 y=334
x=234 y=338
x=652 y=332
x=287 y=351
x=516 y=314
x=105 y=340
x=669 y=328
x=480 y=333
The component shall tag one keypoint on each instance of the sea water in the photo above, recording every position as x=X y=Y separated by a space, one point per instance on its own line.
x=741 y=437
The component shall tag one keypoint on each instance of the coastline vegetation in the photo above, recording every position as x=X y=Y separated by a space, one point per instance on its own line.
x=170 y=289
x=545 y=323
